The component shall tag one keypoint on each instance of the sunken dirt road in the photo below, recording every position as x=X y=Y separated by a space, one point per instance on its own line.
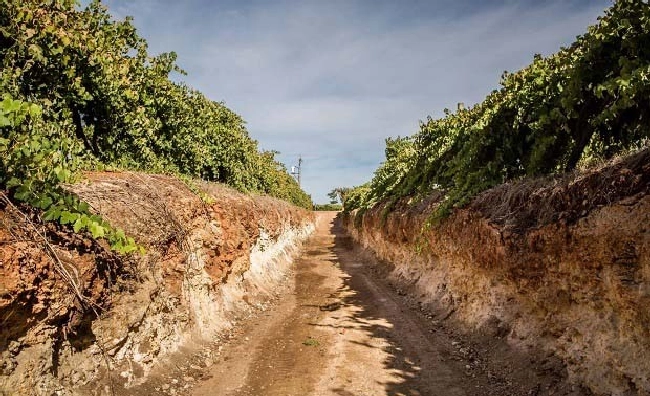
x=340 y=329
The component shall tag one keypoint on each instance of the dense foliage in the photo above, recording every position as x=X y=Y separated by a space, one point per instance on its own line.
x=79 y=90
x=588 y=101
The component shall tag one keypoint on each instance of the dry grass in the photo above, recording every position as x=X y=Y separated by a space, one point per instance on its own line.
x=537 y=202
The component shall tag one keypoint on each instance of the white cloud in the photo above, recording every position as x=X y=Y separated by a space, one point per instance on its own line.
x=330 y=80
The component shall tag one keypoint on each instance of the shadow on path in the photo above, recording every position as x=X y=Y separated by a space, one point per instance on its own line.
x=417 y=363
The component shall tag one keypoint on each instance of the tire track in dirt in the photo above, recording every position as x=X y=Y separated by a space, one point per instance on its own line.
x=340 y=331
x=280 y=353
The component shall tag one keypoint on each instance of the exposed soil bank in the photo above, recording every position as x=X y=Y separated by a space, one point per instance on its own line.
x=341 y=330
x=558 y=265
x=78 y=319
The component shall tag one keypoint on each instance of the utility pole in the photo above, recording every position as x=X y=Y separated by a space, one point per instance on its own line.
x=295 y=170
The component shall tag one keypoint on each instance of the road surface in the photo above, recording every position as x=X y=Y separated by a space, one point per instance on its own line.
x=338 y=332
x=342 y=330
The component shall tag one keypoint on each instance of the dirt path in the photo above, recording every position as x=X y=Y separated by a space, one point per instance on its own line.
x=340 y=331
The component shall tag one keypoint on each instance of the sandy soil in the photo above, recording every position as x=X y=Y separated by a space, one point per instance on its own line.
x=342 y=330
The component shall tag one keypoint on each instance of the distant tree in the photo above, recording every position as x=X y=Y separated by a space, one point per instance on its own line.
x=339 y=194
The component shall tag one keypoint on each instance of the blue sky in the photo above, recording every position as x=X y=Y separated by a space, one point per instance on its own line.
x=331 y=79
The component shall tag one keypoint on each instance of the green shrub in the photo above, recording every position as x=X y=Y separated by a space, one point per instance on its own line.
x=80 y=91
x=589 y=101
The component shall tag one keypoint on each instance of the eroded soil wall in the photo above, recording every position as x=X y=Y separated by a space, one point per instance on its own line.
x=77 y=319
x=561 y=265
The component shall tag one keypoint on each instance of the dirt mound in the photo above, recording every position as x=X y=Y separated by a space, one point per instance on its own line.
x=534 y=203
x=53 y=284
x=559 y=265
x=74 y=312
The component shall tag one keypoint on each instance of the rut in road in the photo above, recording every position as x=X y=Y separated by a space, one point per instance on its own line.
x=340 y=331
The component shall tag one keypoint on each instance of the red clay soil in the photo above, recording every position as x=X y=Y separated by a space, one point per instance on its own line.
x=69 y=307
x=40 y=267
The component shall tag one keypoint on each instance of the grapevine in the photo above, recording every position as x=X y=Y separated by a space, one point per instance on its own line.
x=80 y=91
x=587 y=102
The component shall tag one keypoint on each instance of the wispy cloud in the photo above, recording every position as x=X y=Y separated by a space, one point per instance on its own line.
x=332 y=79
